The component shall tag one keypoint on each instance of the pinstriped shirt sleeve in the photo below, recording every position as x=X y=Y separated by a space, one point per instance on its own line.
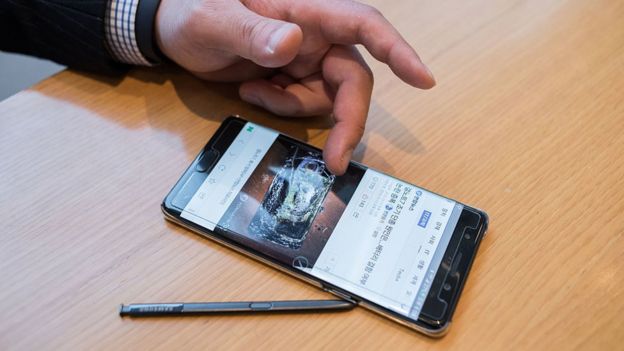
x=120 y=32
x=70 y=32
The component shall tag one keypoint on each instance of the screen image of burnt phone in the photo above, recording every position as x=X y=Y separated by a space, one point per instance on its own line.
x=290 y=204
x=293 y=200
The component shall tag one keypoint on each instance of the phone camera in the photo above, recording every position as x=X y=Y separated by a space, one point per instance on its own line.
x=447 y=287
x=467 y=236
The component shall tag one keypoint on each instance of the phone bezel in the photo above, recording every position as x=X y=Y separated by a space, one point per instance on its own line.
x=430 y=326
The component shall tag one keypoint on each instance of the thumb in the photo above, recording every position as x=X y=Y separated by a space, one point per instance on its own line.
x=267 y=42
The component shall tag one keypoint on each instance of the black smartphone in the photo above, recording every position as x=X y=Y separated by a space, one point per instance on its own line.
x=369 y=238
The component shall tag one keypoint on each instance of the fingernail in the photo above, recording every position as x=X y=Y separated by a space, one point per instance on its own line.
x=276 y=38
x=251 y=98
x=430 y=74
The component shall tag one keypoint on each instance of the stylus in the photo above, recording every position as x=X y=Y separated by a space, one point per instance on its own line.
x=200 y=308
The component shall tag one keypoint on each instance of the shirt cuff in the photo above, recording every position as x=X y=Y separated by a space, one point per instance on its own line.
x=123 y=35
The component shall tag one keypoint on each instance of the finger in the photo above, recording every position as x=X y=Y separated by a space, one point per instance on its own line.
x=240 y=71
x=307 y=62
x=345 y=70
x=267 y=42
x=308 y=97
x=349 y=22
x=283 y=80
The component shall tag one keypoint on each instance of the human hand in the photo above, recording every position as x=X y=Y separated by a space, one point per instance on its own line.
x=295 y=58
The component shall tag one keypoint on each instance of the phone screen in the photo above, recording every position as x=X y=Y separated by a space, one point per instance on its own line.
x=367 y=233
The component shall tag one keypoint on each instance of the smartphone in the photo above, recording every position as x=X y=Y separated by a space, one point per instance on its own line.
x=367 y=237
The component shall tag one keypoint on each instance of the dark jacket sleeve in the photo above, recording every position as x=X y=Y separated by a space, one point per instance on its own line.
x=70 y=32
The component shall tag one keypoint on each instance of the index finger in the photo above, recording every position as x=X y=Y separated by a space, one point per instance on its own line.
x=345 y=70
x=349 y=22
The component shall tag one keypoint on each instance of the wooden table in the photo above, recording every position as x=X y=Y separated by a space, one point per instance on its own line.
x=527 y=122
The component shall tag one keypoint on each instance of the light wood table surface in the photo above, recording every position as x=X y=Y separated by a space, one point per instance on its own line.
x=527 y=123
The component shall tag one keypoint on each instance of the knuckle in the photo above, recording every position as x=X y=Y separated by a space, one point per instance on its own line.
x=247 y=28
x=371 y=11
x=194 y=22
x=359 y=130
x=250 y=31
x=365 y=73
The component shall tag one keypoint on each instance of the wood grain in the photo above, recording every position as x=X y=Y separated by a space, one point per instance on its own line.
x=527 y=122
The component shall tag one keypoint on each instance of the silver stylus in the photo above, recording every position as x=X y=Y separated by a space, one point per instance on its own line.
x=197 y=308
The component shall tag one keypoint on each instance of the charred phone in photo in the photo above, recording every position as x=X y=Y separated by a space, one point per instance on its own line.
x=392 y=247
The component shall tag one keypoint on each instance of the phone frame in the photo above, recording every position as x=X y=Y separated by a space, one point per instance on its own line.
x=446 y=272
